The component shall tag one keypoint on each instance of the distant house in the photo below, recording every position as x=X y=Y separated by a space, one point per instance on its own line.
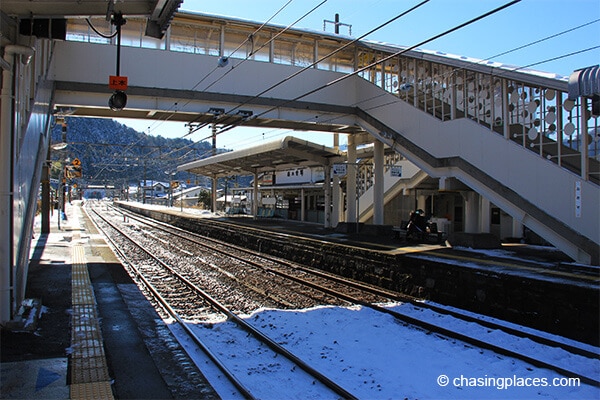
x=154 y=188
x=189 y=196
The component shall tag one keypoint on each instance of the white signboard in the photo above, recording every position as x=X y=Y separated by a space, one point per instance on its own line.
x=396 y=170
x=340 y=169
x=269 y=201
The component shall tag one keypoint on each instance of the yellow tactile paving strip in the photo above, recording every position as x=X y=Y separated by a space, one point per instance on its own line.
x=96 y=390
x=89 y=371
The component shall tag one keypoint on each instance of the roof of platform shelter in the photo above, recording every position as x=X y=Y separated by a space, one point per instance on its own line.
x=280 y=154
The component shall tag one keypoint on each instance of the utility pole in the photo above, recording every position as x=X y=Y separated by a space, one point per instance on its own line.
x=214 y=179
x=144 y=187
x=336 y=25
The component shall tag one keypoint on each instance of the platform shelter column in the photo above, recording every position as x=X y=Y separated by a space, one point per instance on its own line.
x=421 y=202
x=351 y=181
x=336 y=199
x=472 y=212
x=378 y=189
x=517 y=229
x=214 y=195
x=302 y=205
x=327 y=187
x=484 y=215
x=255 y=195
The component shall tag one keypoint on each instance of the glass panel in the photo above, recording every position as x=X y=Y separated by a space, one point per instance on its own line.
x=304 y=53
x=131 y=33
x=283 y=52
x=78 y=30
x=183 y=38
x=233 y=40
x=208 y=41
x=262 y=46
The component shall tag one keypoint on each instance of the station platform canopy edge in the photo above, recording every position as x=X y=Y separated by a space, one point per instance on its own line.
x=288 y=152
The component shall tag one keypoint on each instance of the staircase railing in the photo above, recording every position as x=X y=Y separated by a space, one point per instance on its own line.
x=528 y=108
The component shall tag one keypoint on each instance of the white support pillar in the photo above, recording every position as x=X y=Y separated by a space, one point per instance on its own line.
x=485 y=215
x=336 y=199
x=6 y=193
x=327 y=188
x=255 y=196
x=378 y=189
x=517 y=228
x=471 y=212
x=351 y=181
x=421 y=202
x=213 y=193
x=584 y=137
x=302 y=205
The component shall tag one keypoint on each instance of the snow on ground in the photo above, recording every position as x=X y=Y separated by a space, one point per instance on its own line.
x=374 y=356
x=526 y=272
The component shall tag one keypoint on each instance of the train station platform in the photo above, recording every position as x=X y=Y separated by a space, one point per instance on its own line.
x=364 y=236
x=87 y=332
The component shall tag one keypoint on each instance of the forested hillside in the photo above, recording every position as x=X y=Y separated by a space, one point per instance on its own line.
x=114 y=154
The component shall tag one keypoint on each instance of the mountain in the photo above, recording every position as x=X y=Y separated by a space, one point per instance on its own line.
x=114 y=154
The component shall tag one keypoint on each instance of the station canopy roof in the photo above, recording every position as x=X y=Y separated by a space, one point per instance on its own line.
x=276 y=155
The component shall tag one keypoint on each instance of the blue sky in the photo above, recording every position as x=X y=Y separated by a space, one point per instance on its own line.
x=518 y=25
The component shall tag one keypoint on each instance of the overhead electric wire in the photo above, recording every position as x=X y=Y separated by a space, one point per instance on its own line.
x=278 y=34
x=251 y=53
x=541 y=40
x=258 y=29
x=329 y=55
x=447 y=74
x=335 y=81
x=557 y=58
x=494 y=56
x=217 y=66
x=269 y=41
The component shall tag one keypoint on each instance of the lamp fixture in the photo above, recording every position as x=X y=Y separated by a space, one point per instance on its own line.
x=118 y=100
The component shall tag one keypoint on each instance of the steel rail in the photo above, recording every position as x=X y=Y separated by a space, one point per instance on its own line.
x=403 y=317
x=381 y=292
x=249 y=328
x=167 y=307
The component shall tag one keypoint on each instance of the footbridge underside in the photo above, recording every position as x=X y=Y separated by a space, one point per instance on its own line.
x=556 y=203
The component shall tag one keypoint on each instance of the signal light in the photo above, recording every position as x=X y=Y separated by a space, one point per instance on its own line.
x=118 y=100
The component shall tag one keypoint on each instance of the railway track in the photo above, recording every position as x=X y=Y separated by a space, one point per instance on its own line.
x=346 y=291
x=184 y=300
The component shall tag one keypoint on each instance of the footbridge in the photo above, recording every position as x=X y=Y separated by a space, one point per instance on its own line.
x=512 y=137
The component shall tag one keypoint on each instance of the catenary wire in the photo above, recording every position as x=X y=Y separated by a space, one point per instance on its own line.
x=501 y=54
x=267 y=42
x=203 y=79
x=454 y=70
x=251 y=36
x=254 y=33
x=335 y=81
x=329 y=55
x=207 y=75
